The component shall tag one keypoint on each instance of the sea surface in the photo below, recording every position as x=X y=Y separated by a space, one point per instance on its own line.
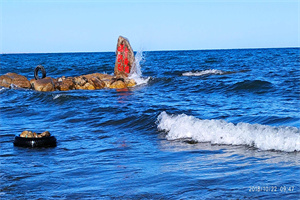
x=207 y=124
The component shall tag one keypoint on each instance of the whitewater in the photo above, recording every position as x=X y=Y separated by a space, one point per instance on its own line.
x=221 y=132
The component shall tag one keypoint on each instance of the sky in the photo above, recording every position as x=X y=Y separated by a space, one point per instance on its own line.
x=48 y=26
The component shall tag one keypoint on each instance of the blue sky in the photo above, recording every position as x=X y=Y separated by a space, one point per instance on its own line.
x=32 y=26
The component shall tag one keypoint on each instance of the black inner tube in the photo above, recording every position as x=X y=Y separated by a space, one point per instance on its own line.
x=35 y=142
x=36 y=71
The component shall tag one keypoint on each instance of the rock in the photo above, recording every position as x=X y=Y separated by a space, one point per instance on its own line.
x=119 y=84
x=101 y=76
x=107 y=82
x=28 y=134
x=96 y=82
x=61 y=79
x=105 y=78
x=44 y=134
x=65 y=84
x=130 y=82
x=84 y=82
x=124 y=59
x=88 y=82
x=24 y=133
x=81 y=82
x=43 y=85
x=14 y=79
x=5 y=81
x=88 y=86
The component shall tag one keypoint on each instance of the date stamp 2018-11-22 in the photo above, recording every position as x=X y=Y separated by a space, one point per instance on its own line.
x=271 y=188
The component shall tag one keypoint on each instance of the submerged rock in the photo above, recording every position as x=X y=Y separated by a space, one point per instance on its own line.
x=13 y=79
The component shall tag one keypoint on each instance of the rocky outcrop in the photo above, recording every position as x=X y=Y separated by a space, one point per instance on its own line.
x=14 y=80
x=124 y=58
x=123 y=66
x=85 y=82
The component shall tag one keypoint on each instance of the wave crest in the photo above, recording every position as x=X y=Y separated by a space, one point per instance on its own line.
x=221 y=132
x=204 y=72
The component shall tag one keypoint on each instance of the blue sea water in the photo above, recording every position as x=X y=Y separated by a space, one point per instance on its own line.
x=207 y=124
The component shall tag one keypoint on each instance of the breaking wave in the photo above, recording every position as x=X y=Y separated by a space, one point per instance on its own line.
x=136 y=72
x=221 y=132
x=204 y=72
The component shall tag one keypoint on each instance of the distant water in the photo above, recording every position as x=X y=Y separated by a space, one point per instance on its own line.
x=215 y=124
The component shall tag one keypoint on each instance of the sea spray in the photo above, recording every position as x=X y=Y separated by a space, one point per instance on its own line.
x=136 y=72
x=221 y=132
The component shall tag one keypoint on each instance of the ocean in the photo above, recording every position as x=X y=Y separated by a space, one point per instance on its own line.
x=201 y=124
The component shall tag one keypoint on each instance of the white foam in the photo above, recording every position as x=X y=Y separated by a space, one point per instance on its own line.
x=221 y=132
x=56 y=96
x=2 y=89
x=136 y=72
x=204 y=72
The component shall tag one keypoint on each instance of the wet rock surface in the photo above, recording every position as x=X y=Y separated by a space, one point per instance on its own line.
x=12 y=79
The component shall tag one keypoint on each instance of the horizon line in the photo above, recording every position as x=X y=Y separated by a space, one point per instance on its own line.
x=212 y=49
